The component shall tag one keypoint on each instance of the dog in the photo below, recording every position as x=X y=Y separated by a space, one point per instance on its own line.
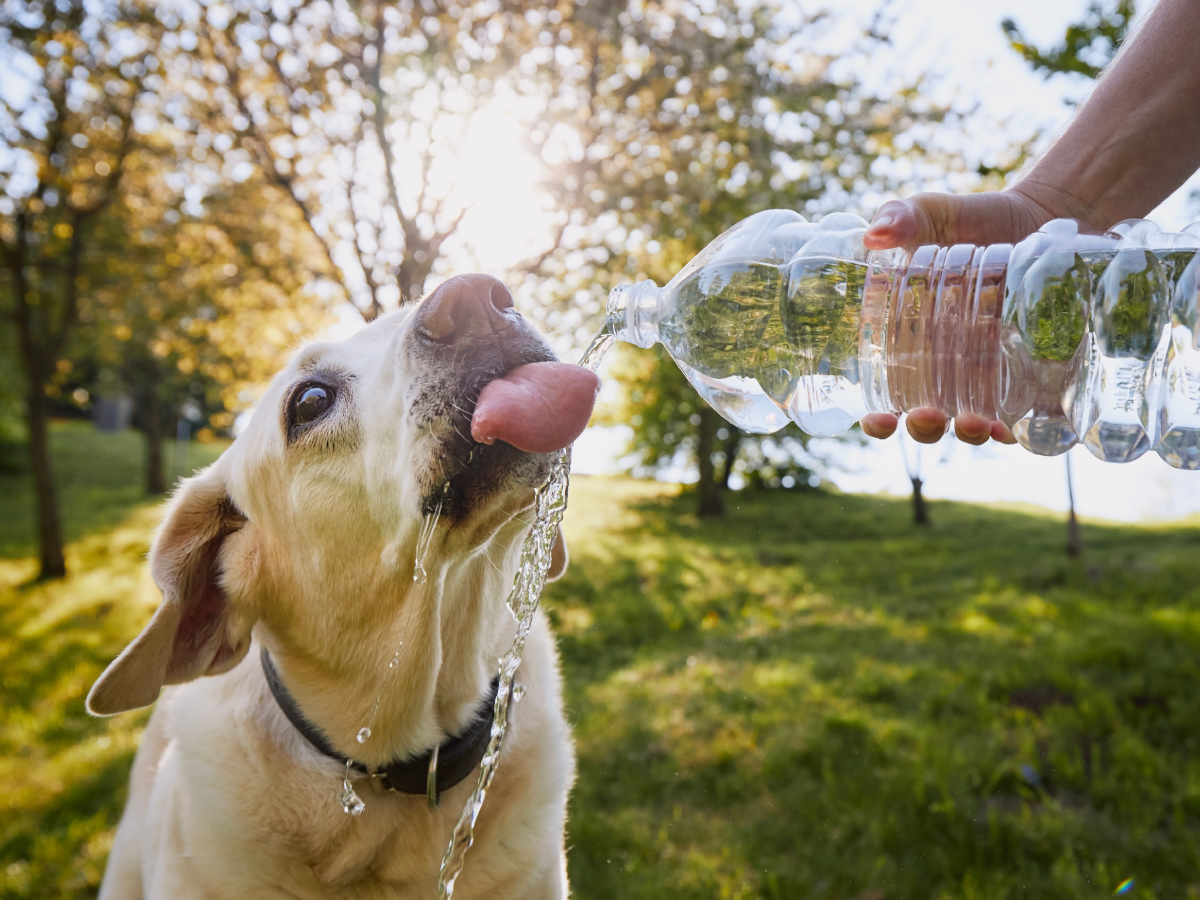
x=291 y=619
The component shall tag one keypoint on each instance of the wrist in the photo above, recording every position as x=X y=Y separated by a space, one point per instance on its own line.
x=1040 y=201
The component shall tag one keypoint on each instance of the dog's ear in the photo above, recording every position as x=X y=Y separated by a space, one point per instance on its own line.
x=195 y=631
x=559 y=557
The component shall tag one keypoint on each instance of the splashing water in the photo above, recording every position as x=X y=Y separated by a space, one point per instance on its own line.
x=424 y=539
x=352 y=804
x=550 y=504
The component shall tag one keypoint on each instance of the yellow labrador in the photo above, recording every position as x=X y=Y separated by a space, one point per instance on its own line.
x=287 y=574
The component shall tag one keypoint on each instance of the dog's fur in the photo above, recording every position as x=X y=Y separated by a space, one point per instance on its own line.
x=301 y=539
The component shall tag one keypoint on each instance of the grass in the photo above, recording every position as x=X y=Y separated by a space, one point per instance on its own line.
x=63 y=773
x=815 y=698
x=810 y=698
x=99 y=481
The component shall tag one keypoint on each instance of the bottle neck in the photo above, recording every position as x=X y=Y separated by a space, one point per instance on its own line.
x=633 y=313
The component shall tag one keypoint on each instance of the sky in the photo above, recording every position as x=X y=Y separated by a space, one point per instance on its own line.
x=963 y=45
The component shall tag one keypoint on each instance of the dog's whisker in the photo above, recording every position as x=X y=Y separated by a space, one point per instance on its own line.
x=491 y=562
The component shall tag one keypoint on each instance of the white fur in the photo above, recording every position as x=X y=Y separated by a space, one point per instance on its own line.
x=226 y=799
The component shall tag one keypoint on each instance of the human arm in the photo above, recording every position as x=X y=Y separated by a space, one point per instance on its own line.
x=1131 y=144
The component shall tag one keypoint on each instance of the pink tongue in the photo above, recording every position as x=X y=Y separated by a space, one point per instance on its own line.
x=538 y=408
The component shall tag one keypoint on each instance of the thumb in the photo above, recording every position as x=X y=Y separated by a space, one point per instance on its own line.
x=896 y=224
x=991 y=217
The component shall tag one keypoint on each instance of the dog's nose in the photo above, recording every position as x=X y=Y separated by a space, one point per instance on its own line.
x=466 y=306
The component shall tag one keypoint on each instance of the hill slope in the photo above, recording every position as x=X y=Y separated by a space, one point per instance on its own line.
x=809 y=698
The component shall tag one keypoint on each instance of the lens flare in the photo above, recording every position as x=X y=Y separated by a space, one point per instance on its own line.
x=1124 y=888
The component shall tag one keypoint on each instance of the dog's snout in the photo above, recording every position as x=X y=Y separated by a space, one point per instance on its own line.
x=466 y=306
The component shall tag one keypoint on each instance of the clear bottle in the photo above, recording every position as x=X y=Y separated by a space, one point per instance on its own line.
x=1064 y=337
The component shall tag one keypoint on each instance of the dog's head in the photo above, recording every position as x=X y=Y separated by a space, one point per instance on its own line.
x=309 y=522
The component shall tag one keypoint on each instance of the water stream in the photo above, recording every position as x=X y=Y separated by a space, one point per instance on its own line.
x=550 y=504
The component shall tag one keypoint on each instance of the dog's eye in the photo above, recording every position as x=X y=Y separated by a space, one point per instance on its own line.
x=310 y=404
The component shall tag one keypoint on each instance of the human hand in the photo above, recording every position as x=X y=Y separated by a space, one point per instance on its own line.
x=945 y=219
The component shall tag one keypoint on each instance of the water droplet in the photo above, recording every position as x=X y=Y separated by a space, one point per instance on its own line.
x=424 y=539
x=395 y=662
x=518 y=692
x=352 y=804
x=1124 y=887
x=363 y=734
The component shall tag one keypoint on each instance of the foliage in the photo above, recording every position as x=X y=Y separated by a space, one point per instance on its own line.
x=357 y=112
x=812 y=696
x=660 y=407
x=669 y=123
x=1087 y=47
x=82 y=76
x=1057 y=291
x=205 y=307
x=1129 y=317
x=77 y=75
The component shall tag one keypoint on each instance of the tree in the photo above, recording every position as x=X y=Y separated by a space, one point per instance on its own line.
x=920 y=509
x=1087 y=47
x=83 y=71
x=667 y=123
x=356 y=112
x=197 y=309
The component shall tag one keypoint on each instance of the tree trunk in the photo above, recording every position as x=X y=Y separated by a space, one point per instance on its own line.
x=156 y=482
x=732 y=444
x=920 y=512
x=1074 y=536
x=709 y=492
x=50 y=544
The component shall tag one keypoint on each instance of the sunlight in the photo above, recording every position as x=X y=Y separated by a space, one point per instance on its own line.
x=497 y=177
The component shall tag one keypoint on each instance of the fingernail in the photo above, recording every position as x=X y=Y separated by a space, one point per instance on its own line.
x=882 y=222
x=1001 y=434
x=922 y=429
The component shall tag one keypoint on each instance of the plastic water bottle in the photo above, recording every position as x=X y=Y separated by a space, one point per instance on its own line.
x=1064 y=337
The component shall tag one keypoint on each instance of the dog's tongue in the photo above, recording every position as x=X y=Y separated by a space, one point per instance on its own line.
x=538 y=408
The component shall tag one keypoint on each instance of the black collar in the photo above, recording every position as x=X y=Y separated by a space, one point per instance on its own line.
x=452 y=760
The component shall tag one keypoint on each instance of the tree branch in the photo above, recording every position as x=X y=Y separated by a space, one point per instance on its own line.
x=266 y=160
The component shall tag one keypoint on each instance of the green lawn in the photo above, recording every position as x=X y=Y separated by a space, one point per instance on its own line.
x=811 y=698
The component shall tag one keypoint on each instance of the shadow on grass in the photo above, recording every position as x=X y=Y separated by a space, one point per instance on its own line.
x=63 y=775
x=812 y=697
x=100 y=478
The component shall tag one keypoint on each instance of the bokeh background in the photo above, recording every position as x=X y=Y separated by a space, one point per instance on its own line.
x=795 y=668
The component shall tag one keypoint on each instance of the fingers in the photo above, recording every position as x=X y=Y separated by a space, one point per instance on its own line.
x=895 y=225
x=925 y=425
x=973 y=429
x=879 y=425
x=1001 y=434
x=928 y=425
x=993 y=217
